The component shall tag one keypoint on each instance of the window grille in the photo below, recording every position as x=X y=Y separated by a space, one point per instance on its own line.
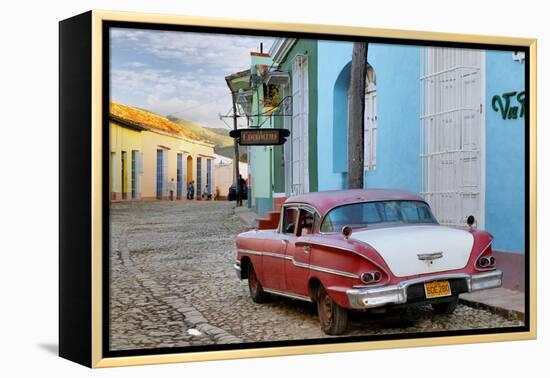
x=451 y=127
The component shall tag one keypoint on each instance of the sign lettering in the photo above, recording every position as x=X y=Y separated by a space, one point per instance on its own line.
x=260 y=137
x=503 y=104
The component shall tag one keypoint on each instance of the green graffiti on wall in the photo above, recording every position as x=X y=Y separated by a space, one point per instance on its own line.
x=503 y=104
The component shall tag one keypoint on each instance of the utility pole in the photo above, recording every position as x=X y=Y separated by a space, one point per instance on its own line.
x=232 y=81
x=356 y=116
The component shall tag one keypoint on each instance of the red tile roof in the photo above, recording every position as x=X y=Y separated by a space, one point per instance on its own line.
x=150 y=121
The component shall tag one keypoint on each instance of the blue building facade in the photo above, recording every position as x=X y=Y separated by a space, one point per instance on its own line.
x=505 y=162
x=398 y=107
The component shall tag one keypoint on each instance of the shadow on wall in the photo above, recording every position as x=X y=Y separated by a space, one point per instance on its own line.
x=340 y=120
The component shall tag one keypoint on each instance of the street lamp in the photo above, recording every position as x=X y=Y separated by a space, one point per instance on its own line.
x=241 y=100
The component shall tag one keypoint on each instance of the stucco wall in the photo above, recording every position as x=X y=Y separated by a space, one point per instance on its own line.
x=397 y=71
x=260 y=156
x=398 y=112
x=505 y=151
x=152 y=141
x=223 y=175
x=307 y=47
x=122 y=139
x=332 y=57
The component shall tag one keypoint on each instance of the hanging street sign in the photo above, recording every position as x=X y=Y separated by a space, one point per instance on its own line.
x=260 y=137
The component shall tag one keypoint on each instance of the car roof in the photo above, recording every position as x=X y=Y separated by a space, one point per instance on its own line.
x=326 y=200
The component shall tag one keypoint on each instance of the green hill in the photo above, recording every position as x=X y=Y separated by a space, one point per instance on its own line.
x=220 y=131
x=218 y=136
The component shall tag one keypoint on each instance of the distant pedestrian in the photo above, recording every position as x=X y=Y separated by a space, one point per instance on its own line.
x=171 y=189
x=206 y=193
x=241 y=185
x=192 y=190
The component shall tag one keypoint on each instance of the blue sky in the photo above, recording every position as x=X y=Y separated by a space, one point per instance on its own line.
x=179 y=73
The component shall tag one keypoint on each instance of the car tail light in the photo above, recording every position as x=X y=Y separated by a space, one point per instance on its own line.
x=486 y=260
x=371 y=277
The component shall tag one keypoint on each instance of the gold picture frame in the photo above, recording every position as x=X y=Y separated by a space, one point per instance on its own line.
x=89 y=267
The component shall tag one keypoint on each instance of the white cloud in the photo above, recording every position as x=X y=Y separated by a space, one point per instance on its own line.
x=226 y=52
x=195 y=97
x=136 y=64
x=179 y=73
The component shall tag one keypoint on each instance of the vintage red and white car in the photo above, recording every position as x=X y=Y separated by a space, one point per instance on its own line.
x=364 y=249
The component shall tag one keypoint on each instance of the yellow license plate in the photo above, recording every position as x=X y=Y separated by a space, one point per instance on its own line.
x=437 y=289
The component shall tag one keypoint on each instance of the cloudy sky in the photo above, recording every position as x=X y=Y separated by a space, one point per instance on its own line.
x=178 y=73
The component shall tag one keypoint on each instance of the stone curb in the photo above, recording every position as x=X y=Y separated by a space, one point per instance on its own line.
x=504 y=312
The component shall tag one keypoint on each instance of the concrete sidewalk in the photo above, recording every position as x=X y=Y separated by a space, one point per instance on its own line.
x=501 y=301
x=247 y=216
x=504 y=302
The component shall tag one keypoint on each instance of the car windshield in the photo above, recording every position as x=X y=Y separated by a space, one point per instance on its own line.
x=376 y=214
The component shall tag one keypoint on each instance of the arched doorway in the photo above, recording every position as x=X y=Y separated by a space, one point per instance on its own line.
x=340 y=119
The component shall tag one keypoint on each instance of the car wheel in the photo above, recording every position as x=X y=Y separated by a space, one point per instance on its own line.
x=446 y=308
x=257 y=292
x=333 y=318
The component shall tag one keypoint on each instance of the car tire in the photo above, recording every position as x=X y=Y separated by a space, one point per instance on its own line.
x=333 y=318
x=257 y=292
x=446 y=308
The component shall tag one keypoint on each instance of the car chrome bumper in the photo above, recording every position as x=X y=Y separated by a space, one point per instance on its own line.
x=237 y=267
x=363 y=298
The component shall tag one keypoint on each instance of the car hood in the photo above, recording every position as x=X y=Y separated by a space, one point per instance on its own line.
x=421 y=249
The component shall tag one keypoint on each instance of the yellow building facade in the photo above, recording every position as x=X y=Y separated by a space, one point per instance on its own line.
x=150 y=157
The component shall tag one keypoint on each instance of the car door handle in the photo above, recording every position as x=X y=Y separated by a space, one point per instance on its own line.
x=284 y=241
x=306 y=248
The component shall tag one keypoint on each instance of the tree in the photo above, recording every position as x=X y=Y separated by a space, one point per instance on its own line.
x=356 y=115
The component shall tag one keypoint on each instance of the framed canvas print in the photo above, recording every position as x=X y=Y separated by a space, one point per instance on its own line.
x=234 y=189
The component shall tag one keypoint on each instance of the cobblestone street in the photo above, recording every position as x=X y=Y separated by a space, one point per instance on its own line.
x=173 y=284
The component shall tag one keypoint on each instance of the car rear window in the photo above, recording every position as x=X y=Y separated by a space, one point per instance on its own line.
x=380 y=213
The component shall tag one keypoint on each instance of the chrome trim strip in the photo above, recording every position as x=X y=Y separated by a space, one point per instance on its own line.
x=301 y=265
x=351 y=251
x=288 y=295
x=325 y=270
x=396 y=294
x=250 y=251
x=429 y=256
x=277 y=255
x=237 y=267
x=301 y=204
x=296 y=205
x=269 y=254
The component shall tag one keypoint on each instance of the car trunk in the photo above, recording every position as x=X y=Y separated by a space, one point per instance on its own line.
x=419 y=249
